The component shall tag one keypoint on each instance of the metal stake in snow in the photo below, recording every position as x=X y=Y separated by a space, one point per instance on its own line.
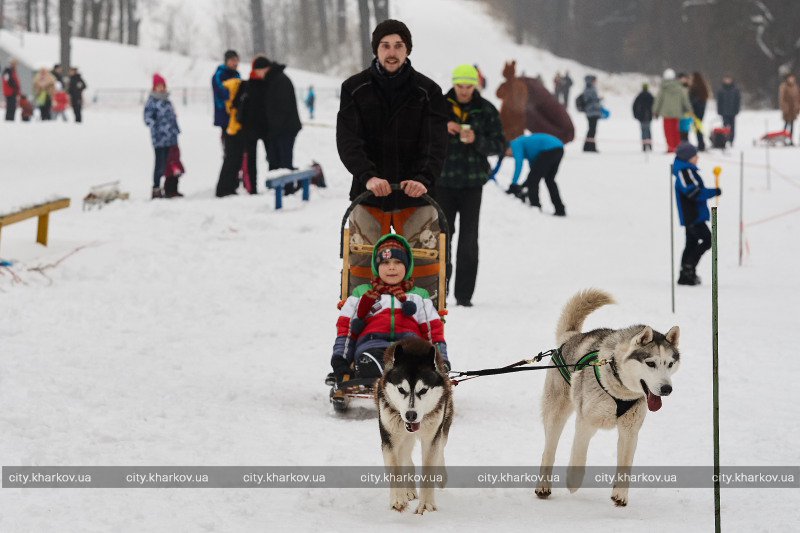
x=671 y=241
x=741 y=203
x=769 y=168
x=715 y=370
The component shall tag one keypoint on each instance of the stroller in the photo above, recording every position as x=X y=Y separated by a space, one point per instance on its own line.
x=362 y=383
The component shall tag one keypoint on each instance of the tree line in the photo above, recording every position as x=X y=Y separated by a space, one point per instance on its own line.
x=109 y=20
x=755 y=41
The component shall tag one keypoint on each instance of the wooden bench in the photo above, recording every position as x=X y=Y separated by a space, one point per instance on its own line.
x=41 y=210
x=302 y=176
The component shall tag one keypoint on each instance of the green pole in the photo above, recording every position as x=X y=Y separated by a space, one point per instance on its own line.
x=741 y=204
x=715 y=349
x=671 y=241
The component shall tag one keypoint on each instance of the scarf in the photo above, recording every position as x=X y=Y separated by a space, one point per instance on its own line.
x=370 y=297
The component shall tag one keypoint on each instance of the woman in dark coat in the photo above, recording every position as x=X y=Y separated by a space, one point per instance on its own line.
x=698 y=97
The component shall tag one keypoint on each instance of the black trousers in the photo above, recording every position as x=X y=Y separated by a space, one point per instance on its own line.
x=545 y=166
x=11 y=107
x=698 y=242
x=231 y=165
x=592 y=128
x=44 y=110
x=729 y=121
x=466 y=203
x=160 y=166
x=77 y=108
x=280 y=152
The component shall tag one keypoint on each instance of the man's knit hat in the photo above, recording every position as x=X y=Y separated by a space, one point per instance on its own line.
x=685 y=151
x=261 y=62
x=669 y=74
x=390 y=27
x=465 y=75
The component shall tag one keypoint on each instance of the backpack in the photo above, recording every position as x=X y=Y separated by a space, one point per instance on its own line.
x=580 y=103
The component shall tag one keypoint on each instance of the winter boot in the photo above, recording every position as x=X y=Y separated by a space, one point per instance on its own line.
x=319 y=177
x=560 y=211
x=337 y=397
x=590 y=146
x=688 y=276
x=157 y=193
x=171 y=188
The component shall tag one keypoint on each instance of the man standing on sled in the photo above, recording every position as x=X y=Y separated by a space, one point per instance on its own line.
x=392 y=129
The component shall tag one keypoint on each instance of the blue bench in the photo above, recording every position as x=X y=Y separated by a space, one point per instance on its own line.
x=302 y=176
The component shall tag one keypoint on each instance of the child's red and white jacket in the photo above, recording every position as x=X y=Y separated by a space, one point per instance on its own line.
x=385 y=324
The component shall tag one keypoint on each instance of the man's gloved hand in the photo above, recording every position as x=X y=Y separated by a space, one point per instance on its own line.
x=719 y=192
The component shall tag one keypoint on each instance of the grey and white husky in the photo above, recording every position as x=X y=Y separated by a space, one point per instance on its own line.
x=641 y=362
x=415 y=402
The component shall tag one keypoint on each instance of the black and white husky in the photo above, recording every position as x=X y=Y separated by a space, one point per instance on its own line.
x=415 y=402
x=618 y=394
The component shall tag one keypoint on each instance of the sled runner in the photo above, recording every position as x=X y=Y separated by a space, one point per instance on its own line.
x=776 y=138
x=356 y=255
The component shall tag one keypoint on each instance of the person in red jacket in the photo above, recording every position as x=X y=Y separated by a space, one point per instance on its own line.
x=60 y=102
x=11 y=89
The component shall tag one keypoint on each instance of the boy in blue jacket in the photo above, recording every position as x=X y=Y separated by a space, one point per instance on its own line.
x=691 y=196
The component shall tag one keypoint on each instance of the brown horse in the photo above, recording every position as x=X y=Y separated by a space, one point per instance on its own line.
x=528 y=104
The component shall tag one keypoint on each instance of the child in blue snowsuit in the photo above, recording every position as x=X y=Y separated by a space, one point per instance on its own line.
x=692 y=196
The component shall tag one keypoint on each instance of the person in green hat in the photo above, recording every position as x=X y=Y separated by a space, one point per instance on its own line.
x=475 y=134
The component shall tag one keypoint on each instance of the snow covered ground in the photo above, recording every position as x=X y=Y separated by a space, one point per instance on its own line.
x=198 y=331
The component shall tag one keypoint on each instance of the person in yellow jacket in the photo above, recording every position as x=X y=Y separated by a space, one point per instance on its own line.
x=234 y=144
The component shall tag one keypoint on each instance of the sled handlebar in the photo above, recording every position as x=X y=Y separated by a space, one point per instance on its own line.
x=442 y=219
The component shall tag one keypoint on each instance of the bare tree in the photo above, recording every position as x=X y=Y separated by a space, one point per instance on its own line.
x=121 y=22
x=66 y=9
x=341 y=22
x=2 y=13
x=134 y=19
x=29 y=15
x=82 y=28
x=46 y=13
x=381 y=10
x=322 y=15
x=364 y=24
x=257 y=25
x=109 y=16
x=97 y=15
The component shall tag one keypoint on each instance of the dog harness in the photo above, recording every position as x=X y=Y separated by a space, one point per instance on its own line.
x=623 y=406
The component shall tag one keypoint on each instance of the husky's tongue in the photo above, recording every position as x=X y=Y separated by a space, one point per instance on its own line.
x=411 y=427
x=653 y=401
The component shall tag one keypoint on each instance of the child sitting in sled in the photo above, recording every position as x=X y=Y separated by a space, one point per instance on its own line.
x=385 y=311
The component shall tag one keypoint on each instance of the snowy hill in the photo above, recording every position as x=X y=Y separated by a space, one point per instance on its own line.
x=198 y=331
